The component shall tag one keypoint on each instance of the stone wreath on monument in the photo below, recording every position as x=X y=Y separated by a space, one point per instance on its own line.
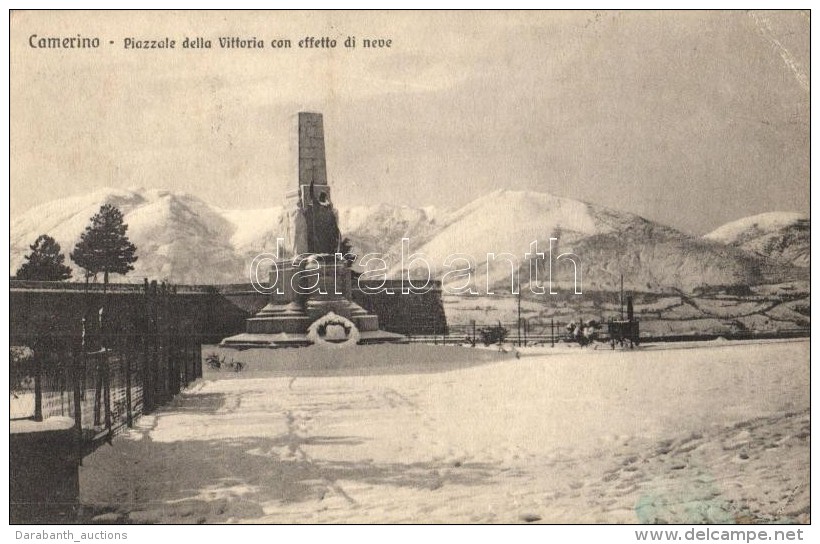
x=318 y=330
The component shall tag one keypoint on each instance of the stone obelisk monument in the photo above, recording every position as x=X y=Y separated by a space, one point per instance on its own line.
x=312 y=285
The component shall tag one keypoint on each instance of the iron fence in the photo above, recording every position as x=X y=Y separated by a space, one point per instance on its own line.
x=107 y=371
x=531 y=332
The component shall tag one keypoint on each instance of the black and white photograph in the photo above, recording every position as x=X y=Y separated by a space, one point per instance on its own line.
x=410 y=267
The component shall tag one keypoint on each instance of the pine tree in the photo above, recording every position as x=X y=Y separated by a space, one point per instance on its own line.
x=45 y=263
x=104 y=247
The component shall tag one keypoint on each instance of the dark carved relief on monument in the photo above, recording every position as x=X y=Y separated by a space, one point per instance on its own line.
x=322 y=224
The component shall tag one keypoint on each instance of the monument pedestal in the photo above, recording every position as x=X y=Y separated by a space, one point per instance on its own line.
x=297 y=303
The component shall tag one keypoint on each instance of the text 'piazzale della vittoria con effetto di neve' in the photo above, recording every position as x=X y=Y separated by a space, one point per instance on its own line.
x=78 y=41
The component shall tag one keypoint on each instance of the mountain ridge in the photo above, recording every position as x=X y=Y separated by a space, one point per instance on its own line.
x=182 y=239
x=782 y=236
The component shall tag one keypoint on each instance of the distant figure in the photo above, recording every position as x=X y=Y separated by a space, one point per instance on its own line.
x=569 y=335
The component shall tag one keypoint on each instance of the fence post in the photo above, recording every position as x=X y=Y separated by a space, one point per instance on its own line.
x=107 y=387
x=146 y=395
x=98 y=386
x=192 y=351
x=173 y=377
x=198 y=361
x=78 y=406
x=153 y=339
x=38 y=386
x=143 y=344
x=129 y=418
x=162 y=337
x=84 y=360
x=186 y=361
x=170 y=346
x=192 y=340
x=174 y=364
x=64 y=355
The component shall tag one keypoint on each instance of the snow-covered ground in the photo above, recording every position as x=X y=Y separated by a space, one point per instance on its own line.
x=715 y=432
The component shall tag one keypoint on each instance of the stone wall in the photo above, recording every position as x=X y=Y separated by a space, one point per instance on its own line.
x=44 y=481
x=215 y=311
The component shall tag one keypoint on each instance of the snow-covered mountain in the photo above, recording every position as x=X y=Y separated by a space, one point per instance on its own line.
x=182 y=239
x=782 y=236
x=607 y=243
x=178 y=237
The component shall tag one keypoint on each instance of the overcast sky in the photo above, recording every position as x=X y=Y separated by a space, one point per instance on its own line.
x=689 y=118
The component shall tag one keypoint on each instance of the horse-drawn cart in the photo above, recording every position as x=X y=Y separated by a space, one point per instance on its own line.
x=623 y=332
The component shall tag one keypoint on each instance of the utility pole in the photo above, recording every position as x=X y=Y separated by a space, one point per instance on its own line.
x=473 y=322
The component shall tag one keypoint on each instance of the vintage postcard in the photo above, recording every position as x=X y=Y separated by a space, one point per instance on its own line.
x=457 y=267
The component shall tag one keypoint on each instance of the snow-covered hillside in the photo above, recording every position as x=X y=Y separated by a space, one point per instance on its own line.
x=783 y=236
x=178 y=237
x=182 y=239
x=607 y=243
